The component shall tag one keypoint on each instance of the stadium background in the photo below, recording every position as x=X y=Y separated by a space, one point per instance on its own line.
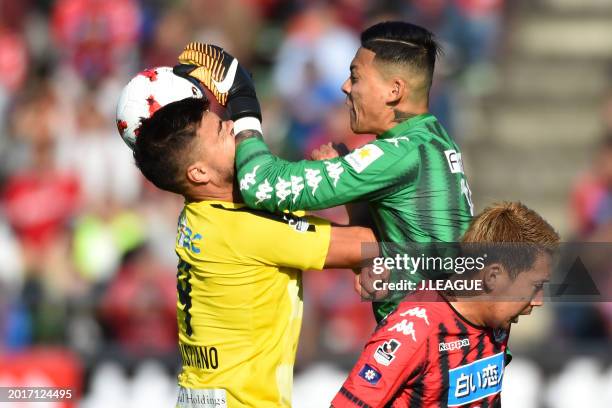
x=87 y=286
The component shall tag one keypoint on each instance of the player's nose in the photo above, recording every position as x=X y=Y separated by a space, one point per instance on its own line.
x=229 y=126
x=538 y=299
x=346 y=87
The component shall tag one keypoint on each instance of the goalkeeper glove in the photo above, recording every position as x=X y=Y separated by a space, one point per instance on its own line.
x=226 y=78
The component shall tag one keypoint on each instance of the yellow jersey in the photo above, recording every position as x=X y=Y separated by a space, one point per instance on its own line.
x=239 y=305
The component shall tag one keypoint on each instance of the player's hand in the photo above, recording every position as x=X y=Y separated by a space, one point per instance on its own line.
x=223 y=75
x=324 y=152
x=364 y=284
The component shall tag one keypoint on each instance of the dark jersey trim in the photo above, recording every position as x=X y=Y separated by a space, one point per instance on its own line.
x=353 y=398
x=285 y=218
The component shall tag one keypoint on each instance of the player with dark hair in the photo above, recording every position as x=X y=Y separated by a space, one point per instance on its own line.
x=411 y=176
x=239 y=274
x=441 y=349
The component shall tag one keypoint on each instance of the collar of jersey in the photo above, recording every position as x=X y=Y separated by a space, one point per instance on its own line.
x=403 y=127
x=226 y=204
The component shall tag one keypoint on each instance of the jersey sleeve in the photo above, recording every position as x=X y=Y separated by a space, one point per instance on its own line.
x=396 y=353
x=296 y=242
x=268 y=182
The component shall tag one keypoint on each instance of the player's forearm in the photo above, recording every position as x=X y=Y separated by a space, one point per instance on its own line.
x=247 y=134
x=270 y=183
x=350 y=247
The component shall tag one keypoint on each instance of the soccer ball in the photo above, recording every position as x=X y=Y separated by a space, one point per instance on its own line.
x=145 y=94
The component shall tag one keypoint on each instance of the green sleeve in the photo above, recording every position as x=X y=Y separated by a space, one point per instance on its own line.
x=270 y=183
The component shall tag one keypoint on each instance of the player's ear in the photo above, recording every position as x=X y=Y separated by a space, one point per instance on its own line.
x=198 y=173
x=491 y=276
x=397 y=90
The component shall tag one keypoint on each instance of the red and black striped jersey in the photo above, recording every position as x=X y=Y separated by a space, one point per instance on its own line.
x=425 y=354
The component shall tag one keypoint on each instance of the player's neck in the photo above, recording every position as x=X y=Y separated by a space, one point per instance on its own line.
x=471 y=310
x=212 y=193
x=401 y=113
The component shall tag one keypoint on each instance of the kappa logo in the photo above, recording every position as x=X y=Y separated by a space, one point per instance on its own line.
x=454 y=345
x=395 y=140
x=385 y=353
x=416 y=312
x=406 y=328
x=263 y=192
x=297 y=185
x=249 y=179
x=313 y=178
x=334 y=170
x=228 y=81
x=361 y=158
x=282 y=189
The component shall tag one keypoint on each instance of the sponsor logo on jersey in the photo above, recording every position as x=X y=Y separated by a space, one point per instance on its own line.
x=454 y=161
x=465 y=190
x=454 y=345
x=474 y=381
x=186 y=237
x=405 y=327
x=361 y=158
x=201 y=398
x=385 y=353
x=199 y=356
x=299 y=224
x=370 y=374
x=416 y=312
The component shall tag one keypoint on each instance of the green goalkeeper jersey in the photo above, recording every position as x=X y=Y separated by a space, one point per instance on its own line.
x=411 y=176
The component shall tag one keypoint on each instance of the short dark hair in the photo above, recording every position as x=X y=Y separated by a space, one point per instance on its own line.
x=403 y=43
x=164 y=141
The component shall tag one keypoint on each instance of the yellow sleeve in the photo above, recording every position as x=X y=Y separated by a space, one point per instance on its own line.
x=300 y=242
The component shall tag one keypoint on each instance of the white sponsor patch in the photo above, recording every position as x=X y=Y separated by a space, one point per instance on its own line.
x=313 y=178
x=201 y=398
x=297 y=185
x=361 y=158
x=454 y=345
x=334 y=170
x=416 y=312
x=385 y=353
x=249 y=179
x=454 y=161
x=263 y=192
x=405 y=327
x=282 y=189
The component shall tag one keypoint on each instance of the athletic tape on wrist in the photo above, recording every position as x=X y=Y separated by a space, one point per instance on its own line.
x=248 y=123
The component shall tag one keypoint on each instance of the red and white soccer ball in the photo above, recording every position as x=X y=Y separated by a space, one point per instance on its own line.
x=145 y=94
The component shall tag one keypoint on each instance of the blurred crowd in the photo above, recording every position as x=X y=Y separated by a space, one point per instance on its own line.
x=86 y=245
